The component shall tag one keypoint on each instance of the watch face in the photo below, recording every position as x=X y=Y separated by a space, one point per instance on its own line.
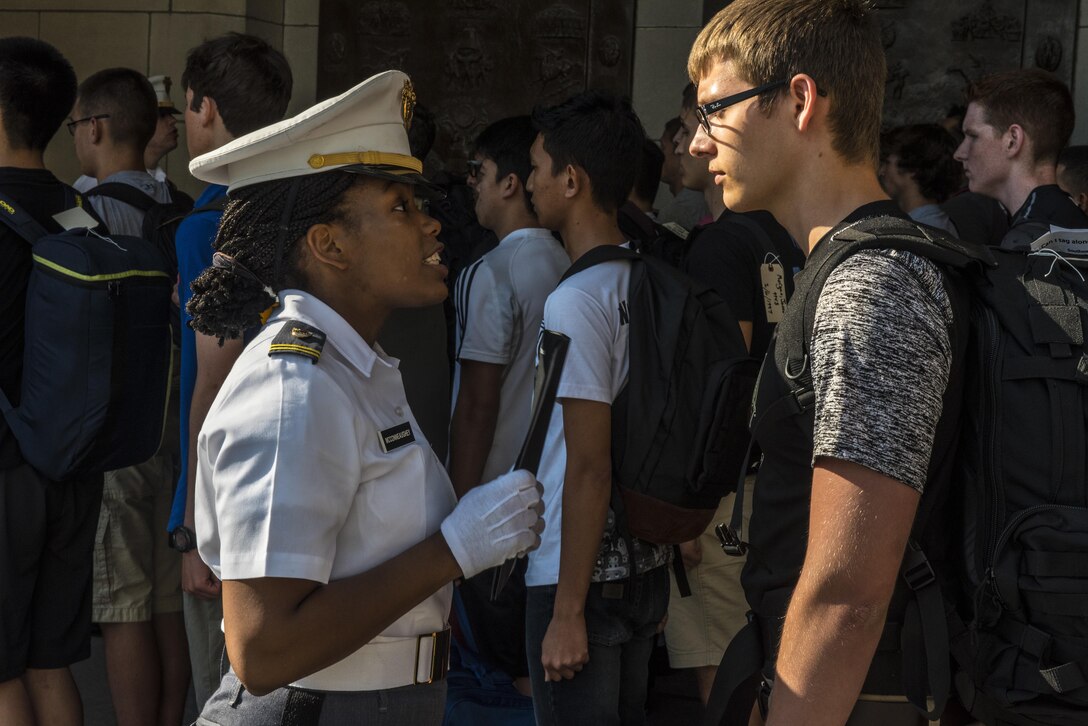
x=182 y=539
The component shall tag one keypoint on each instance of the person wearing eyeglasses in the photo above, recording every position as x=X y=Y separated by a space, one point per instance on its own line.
x=849 y=411
x=733 y=253
x=499 y=304
x=137 y=596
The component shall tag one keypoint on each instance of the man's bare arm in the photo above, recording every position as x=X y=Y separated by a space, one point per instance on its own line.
x=859 y=524
x=587 y=486
x=213 y=363
x=472 y=426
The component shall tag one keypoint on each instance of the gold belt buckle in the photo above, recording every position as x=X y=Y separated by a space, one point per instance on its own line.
x=440 y=652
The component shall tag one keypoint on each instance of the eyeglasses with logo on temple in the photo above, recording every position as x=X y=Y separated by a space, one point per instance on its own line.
x=706 y=110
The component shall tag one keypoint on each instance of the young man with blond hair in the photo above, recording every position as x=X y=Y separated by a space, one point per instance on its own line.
x=790 y=94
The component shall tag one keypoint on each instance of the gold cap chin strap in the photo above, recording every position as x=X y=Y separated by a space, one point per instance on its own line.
x=373 y=158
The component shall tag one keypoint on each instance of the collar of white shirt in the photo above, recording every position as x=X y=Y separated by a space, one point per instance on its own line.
x=304 y=307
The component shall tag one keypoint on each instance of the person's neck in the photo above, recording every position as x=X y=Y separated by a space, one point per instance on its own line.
x=712 y=195
x=514 y=220
x=821 y=195
x=676 y=187
x=589 y=227
x=117 y=161
x=911 y=199
x=1019 y=186
x=151 y=160
x=22 y=158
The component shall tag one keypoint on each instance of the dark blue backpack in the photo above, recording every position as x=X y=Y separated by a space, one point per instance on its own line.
x=97 y=358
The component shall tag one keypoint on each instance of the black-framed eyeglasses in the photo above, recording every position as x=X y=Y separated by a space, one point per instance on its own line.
x=474 y=166
x=704 y=112
x=76 y=122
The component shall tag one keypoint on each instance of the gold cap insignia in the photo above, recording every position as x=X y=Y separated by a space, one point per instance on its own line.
x=408 y=100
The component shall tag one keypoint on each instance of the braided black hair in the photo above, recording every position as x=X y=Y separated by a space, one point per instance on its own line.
x=228 y=299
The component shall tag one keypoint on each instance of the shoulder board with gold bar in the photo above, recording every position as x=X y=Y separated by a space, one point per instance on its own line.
x=298 y=338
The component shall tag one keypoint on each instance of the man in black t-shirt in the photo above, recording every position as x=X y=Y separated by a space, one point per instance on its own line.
x=1016 y=124
x=46 y=528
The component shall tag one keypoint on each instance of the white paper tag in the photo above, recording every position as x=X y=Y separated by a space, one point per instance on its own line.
x=75 y=218
x=774 y=291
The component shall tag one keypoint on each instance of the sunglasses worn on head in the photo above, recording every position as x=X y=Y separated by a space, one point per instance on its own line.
x=705 y=111
x=76 y=122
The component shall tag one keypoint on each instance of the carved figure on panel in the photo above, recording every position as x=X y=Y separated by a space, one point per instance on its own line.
x=558 y=74
x=467 y=65
x=474 y=8
x=383 y=18
x=897 y=79
x=1048 y=54
x=985 y=24
x=559 y=21
x=463 y=120
x=609 y=51
x=887 y=33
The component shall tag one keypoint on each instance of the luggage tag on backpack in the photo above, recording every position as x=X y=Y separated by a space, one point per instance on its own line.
x=1063 y=241
x=75 y=218
x=774 y=289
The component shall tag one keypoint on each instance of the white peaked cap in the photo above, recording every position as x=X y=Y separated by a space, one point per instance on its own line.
x=363 y=130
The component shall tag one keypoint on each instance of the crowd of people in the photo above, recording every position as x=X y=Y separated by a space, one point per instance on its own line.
x=299 y=545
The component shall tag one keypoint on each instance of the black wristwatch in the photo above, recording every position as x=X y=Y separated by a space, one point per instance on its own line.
x=182 y=539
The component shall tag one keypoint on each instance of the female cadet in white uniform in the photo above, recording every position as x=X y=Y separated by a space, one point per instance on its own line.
x=319 y=503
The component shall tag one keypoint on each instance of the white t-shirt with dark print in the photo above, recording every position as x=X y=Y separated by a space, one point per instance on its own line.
x=590 y=308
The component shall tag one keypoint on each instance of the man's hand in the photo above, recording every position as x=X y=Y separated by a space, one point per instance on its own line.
x=566 y=648
x=691 y=553
x=197 y=578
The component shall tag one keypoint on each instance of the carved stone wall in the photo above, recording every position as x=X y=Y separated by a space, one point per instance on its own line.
x=935 y=48
x=475 y=61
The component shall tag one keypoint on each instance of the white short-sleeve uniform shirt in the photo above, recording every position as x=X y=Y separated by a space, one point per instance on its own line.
x=292 y=479
x=500 y=303
x=589 y=307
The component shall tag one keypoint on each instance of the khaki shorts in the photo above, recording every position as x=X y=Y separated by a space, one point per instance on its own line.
x=136 y=574
x=701 y=626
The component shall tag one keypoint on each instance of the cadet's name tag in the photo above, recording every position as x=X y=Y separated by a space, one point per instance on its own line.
x=774 y=291
x=396 y=437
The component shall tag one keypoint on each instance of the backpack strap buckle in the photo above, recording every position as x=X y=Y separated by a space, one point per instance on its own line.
x=917 y=572
x=731 y=544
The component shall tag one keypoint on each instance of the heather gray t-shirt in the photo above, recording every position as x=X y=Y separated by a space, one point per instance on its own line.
x=881 y=354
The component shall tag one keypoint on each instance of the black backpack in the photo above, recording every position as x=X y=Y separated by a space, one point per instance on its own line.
x=1014 y=608
x=97 y=355
x=670 y=244
x=1021 y=635
x=679 y=426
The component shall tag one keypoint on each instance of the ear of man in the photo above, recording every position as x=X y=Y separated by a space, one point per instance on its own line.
x=574 y=181
x=803 y=97
x=510 y=186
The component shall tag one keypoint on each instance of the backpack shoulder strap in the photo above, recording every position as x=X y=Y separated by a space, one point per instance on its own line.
x=123 y=193
x=883 y=232
x=20 y=222
x=599 y=254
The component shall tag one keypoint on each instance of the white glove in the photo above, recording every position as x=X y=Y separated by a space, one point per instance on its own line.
x=495 y=522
